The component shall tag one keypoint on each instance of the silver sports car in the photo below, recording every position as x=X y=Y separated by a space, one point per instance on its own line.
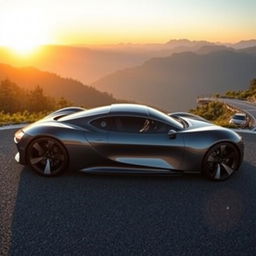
x=128 y=138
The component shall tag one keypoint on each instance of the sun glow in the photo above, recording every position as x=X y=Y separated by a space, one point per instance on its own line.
x=23 y=48
x=23 y=32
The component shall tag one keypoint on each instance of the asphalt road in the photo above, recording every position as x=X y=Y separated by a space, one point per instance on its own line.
x=78 y=214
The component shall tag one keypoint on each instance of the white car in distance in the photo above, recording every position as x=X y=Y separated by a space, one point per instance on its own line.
x=240 y=120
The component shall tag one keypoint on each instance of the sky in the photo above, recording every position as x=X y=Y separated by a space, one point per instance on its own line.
x=26 y=23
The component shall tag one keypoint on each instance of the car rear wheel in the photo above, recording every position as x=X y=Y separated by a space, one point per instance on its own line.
x=221 y=161
x=47 y=156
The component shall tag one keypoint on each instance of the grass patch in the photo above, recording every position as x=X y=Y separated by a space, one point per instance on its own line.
x=20 y=117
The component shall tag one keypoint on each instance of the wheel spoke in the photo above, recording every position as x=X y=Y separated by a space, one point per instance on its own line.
x=211 y=158
x=223 y=149
x=228 y=169
x=217 y=174
x=50 y=144
x=47 y=156
x=47 y=169
x=36 y=160
x=59 y=157
x=39 y=149
x=230 y=155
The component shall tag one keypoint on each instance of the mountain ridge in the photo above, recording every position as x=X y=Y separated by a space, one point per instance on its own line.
x=174 y=82
x=55 y=85
x=88 y=63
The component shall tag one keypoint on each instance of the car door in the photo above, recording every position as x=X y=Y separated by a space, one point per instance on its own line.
x=144 y=142
x=97 y=136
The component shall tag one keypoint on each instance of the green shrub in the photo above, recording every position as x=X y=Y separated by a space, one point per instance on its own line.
x=215 y=112
x=20 y=117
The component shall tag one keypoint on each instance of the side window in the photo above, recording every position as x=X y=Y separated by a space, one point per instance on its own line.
x=158 y=127
x=105 y=123
x=128 y=124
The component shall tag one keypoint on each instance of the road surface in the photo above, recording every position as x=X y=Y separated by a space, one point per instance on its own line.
x=78 y=214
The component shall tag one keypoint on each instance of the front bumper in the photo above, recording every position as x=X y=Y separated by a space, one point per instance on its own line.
x=20 y=158
x=17 y=157
x=21 y=145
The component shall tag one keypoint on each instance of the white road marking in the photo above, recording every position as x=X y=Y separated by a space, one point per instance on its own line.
x=10 y=127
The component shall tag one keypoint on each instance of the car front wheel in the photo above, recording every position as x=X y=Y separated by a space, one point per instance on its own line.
x=47 y=156
x=221 y=161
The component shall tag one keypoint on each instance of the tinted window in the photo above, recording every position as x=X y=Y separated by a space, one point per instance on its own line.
x=138 y=125
x=129 y=124
x=238 y=117
x=158 y=127
x=105 y=123
x=162 y=116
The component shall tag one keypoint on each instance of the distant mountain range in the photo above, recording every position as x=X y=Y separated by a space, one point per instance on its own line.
x=174 y=82
x=55 y=86
x=243 y=44
x=169 y=75
x=89 y=63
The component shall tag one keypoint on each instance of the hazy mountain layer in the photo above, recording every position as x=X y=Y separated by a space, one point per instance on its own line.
x=175 y=82
x=89 y=63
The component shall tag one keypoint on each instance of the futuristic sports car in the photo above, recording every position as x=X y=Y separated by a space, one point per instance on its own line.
x=128 y=138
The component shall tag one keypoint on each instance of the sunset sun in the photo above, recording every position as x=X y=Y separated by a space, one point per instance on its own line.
x=23 y=33
x=22 y=47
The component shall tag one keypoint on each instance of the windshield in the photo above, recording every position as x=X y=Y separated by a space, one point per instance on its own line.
x=181 y=120
x=164 y=117
x=239 y=117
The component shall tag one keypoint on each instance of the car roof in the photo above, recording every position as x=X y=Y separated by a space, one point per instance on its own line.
x=240 y=114
x=126 y=109
x=87 y=113
x=123 y=109
x=142 y=110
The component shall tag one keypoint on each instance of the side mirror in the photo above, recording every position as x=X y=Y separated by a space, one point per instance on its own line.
x=172 y=134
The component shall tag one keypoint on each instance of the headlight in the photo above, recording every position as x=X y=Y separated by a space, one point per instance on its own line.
x=18 y=136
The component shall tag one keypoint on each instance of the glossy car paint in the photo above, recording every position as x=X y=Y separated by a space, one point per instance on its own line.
x=92 y=149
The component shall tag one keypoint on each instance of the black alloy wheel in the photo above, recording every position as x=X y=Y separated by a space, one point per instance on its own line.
x=221 y=161
x=47 y=156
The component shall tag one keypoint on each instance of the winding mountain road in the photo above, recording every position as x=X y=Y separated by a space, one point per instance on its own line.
x=245 y=106
x=78 y=214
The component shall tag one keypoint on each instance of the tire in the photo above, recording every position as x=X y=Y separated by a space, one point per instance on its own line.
x=47 y=156
x=221 y=161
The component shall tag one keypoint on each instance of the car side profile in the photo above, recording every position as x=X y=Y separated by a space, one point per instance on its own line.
x=128 y=138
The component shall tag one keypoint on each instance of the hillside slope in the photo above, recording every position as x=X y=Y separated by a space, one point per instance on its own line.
x=175 y=82
x=55 y=86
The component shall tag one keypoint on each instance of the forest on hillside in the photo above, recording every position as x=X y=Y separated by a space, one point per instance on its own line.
x=16 y=99
x=18 y=105
x=55 y=86
x=249 y=94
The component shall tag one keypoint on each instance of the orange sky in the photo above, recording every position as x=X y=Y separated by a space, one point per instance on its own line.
x=28 y=23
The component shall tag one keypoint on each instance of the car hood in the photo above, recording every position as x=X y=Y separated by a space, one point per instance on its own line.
x=198 y=125
x=193 y=123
